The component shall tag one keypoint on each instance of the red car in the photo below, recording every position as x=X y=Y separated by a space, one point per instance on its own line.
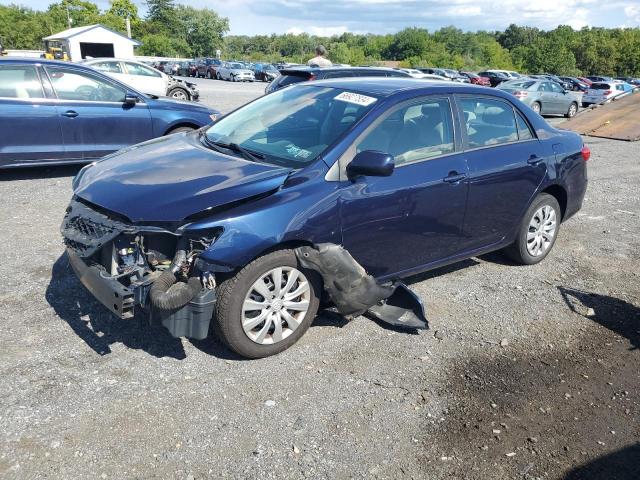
x=585 y=80
x=477 y=79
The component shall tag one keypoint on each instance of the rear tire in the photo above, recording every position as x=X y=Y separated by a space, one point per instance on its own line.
x=536 y=107
x=231 y=305
x=180 y=129
x=539 y=227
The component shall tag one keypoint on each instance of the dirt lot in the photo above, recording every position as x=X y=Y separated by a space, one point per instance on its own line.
x=526 y=372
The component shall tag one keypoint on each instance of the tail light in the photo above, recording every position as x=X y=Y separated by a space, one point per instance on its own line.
x=607 y=92
x=520 y=94
x=586 y=153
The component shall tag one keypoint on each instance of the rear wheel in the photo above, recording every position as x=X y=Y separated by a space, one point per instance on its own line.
x=535 y=106
x=209 y=74
x=573 y=110
x=267 y=306
x=537 y=232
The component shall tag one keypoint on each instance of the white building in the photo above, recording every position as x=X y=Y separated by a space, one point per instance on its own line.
x=92 y=41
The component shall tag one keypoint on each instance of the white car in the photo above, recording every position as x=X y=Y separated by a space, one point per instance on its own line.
x=602 y=92
x=424 y=76
x=144 y=78
x=511 y=74
x=235 y=72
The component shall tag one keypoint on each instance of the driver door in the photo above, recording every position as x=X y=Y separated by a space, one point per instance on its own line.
x=95 y=120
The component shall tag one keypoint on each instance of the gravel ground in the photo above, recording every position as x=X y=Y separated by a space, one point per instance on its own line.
x=526 y=372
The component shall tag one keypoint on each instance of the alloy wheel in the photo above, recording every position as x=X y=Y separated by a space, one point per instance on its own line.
x=573 y=109
x=275 y=305
x=536 y=107
x=542 y=230
x=179 y=95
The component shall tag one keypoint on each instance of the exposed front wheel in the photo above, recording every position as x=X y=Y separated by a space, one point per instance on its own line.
x=267 y=306
x=538 y=231
x=179 y=94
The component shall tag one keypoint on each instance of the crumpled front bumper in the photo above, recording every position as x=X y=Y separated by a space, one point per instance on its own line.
x=119 y=299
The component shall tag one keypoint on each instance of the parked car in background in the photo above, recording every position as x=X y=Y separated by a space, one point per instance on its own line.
x=495 y=78
x=511 y=75
x=188 y=69
x=585 y=80
x=543 y=96
x=267 y=208
x=597 y=78
x=576 y=84
x=207 y=67
x=630 y=80
x=265 y=72
x=234 y=72
x=144 y=78
x=415 y=73
x=433 y=71
x=303 y=73
x=603 y=92
x=476 y=79
x=455 y=76
x=55 y=112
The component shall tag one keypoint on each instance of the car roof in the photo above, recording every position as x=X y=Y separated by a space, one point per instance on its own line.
x=390 y=86
x=311 y=69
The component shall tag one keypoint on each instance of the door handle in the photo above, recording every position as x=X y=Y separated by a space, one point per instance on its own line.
x=454 y=177
x=534 y=160
x=70 y=114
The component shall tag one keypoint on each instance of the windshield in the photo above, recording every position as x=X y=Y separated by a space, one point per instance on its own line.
x=292 y=126
x=236 y=65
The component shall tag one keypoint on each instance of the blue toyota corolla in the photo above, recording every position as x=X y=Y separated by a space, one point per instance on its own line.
x=55 y=112
x=336 y=188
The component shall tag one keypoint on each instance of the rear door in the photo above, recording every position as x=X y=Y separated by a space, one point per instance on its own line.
x=95 y=120
x=506 y=166
x=413 y=218
x=30 y=126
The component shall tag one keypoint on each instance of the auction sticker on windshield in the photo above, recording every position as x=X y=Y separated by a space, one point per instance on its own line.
x=356 y=98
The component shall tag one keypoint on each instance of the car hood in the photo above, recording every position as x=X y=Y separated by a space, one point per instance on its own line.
x=171 y=178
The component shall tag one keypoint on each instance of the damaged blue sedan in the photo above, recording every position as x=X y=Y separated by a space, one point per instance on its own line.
x=333 y=189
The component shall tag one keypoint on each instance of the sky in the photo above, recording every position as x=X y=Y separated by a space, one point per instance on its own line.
x=329 y=17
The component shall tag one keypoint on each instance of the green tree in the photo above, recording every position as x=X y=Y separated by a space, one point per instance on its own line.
x=203 y=29
x=123 y=9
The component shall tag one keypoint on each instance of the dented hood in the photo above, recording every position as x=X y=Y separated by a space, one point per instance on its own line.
x=170 y=178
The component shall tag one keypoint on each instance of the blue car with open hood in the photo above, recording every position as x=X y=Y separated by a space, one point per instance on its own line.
x=333 y=189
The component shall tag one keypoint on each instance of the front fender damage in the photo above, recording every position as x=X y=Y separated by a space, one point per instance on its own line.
x=354 y=292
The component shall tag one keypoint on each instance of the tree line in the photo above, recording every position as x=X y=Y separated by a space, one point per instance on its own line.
x=181 y=31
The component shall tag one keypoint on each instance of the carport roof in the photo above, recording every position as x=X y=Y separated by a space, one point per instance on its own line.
x=72 y=32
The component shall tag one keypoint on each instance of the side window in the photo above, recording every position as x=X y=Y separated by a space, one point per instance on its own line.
x=412 y=133
x=135 y=69
x=71 y=84
x=338 y=74
x=370 y=73
x=488 y=122
x=556 y=88
x=524 y=131
x=19 y=82
x=109 y=67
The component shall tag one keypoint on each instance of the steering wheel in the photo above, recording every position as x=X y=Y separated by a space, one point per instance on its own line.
x=87 y=92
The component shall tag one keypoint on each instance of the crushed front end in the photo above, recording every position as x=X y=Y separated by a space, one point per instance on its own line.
x=150 y=269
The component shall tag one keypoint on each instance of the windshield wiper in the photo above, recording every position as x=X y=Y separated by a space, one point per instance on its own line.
x=246 y=154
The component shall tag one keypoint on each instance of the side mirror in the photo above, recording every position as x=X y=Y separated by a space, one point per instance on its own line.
x=130 y=99
x=371 y=163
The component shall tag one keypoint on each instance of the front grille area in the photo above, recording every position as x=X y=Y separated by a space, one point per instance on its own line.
x=85 y=230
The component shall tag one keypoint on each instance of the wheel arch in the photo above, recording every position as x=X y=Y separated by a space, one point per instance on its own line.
x=180 y=125
x=560 y=194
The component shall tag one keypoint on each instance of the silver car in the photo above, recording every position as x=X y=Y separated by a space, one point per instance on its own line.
x=236 y=72
x=544 y=97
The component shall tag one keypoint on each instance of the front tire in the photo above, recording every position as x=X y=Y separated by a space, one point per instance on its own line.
x=267 y=306
x=537 y=232
x=573 y=110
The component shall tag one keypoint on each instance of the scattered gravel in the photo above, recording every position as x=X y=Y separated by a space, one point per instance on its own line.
x=85 y=395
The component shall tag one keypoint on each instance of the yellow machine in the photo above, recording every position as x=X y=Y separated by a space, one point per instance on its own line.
x=54 y=50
